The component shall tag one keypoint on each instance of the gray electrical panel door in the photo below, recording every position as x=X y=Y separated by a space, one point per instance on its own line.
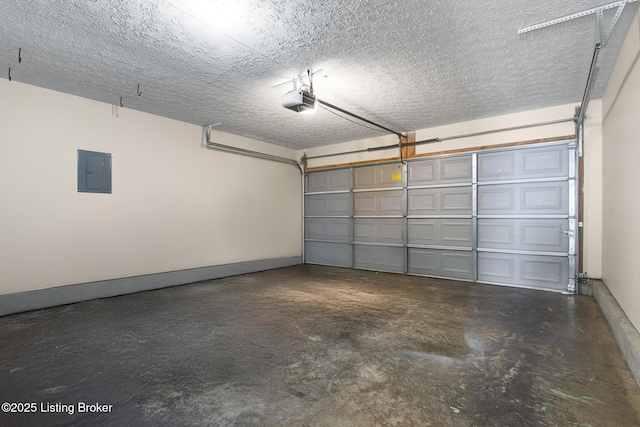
x=94 y=172
x=505 y=216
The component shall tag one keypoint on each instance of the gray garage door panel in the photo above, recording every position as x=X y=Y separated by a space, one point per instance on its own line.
x=538 y=271
x=378 y=230
x=379 y=176
x=328 y=204
x=540 y=235
x=336 y=254
x=378 y=203
x=538 y=198
x=527 y=163
x=440 y=201
x=447 y=170
x=441 y=232
x=335 y=229
x=500 y=216
x=332 y=180
x=441 y=263
x=379 y=258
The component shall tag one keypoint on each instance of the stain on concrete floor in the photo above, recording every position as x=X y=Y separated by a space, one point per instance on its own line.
x=320 y=346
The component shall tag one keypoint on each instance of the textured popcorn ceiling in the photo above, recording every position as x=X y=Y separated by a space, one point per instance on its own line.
x=405 y=64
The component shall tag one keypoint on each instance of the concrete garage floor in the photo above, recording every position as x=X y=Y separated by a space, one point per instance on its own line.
x=319 y=346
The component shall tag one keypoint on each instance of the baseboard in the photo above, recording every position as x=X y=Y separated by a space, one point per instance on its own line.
x=61 y=295
x=586 y=288
x=625 y=334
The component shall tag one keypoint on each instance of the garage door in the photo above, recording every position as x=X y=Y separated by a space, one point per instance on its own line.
x=328 y=222
x=501 y=216
x=440 y=217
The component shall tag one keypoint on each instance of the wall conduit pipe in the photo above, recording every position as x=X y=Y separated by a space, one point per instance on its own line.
x=244 y=151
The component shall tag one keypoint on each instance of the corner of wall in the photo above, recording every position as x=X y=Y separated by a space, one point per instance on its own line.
x=625 y=63
x=626 y=336
x=620 y=151
x=592 y=190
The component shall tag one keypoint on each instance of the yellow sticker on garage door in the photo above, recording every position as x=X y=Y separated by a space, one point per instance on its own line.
x=396 y=177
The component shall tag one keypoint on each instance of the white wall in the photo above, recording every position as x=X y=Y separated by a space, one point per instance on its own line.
x=361 y=144
x=518 y=119
x=621 y=199
x=175 y=204
x=526 y=118
x=593 y=144
x=592 y=189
